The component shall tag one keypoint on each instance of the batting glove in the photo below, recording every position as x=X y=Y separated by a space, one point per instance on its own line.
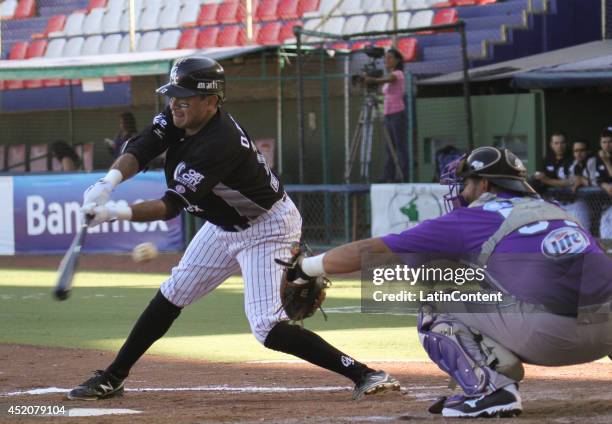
x=99 y=193
x=109 y=212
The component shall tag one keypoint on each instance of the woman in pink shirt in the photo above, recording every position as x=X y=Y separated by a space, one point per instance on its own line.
x=396 y=121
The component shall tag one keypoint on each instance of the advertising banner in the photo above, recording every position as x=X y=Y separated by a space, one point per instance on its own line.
x=46 y=215
x=397 y=207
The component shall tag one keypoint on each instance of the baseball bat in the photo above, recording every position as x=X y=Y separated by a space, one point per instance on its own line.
x=69 y=264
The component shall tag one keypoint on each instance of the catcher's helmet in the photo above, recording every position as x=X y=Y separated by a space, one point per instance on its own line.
x=194 y=76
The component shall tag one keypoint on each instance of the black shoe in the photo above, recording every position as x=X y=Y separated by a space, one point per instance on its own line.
x=505 y=402
x=102 y=385
x=375 y=382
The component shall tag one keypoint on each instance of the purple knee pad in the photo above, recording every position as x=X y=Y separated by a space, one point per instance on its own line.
x=445 y=349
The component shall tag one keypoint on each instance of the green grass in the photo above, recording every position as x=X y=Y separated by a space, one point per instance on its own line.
x=103 y=307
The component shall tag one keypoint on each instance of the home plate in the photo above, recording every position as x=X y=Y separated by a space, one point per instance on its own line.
x=95 y=412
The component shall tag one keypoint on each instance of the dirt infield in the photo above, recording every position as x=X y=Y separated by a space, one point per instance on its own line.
x=261 y=392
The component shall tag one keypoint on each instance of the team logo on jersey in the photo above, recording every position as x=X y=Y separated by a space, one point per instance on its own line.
x=160 y=120
x=193 y=209
x=564 y=242
x=180 y=189
x=188 y=177
x=347 y=361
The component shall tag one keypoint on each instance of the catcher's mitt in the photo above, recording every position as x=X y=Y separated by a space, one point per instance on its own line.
x=301 y=295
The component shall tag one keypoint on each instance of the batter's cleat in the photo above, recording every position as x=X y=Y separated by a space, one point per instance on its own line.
x=505 y=402
x=102 y=385
x=375 y=382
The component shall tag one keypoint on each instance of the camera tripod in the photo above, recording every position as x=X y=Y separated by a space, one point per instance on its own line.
x=362 y=140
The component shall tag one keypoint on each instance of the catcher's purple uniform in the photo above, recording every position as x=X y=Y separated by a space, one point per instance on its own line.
x=527 y=328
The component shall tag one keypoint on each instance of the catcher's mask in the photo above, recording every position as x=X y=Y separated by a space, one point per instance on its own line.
x=500 y=166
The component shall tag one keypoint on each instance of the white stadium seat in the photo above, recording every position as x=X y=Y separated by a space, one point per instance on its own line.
x=92 y=45
x=93 y=21
x=149 y=41
x=334 y=25
x=111 y=44
x=313 y=24
x=124 y=47
x=349 y=7
x=148 y=19
x=124 y=25
x=415 y=4
x=325 y=6
x=422 y=18
x=74 y=24
x=377 y=22
x=169 y=40
x=403 y=20
x=116 y=4
x=111 y=22
x=169 y=15
x=55 y=47
x=354 y=24
x=189 y=13
x=73 y=47
x=153 y=3
x=7 y=8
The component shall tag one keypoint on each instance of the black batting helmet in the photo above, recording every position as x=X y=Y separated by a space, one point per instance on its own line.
x=502 y=167
x=194 y=76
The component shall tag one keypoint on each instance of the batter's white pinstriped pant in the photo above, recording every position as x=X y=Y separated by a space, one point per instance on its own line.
x=214 y=255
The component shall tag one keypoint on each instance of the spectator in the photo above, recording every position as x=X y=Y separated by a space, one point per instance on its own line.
x=603 y=162
x=66 y=155
x=396 y=121
x=556 y=165
x=127 y=129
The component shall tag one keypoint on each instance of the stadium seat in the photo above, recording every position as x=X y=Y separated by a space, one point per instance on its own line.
x=230 y=12
x=149 y=41
x=377 y=22
x=169 y=39
x=408 y=48
x=349 y=7
x=55 y=26
x=125 y=19
x=208 y=14
x=286 y=31
x=18 y=50
x=16 y=157
x=25 y=9
x=267 y=10
x=73 y=47
x=188 y=16
x=269 y=34
x=445 y=17
x=313 y=24
x=354 y=24
x=188 y=39
x=421 y=18
x=325 y=6
x=74 y=24
x=231 y=35
x=37 y=158
x=464 y=2
x=149 y=18
x=7 y=9
x=483 y=2
x=169 y=15
x=36 y=49
x=119 y=5
x=110 y=44
x=334 y=25
x=414 y=4
x=96 y=4
x=207 y=37
x=359 y=45
x=152 y=3
x=385 y=42
x=288 y=9
x=306 y=6
x=111 y=22
x=92 y=24
x=403 y=20
x=92 y=45
x=124 y=46
x=55 y=48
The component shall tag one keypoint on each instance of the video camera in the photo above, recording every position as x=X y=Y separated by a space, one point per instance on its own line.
x=371 y=68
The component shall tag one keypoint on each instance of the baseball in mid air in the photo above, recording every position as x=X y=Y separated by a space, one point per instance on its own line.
x=144 y=252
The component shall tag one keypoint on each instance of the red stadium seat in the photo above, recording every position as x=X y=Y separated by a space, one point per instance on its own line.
x=208 y=14
x=387 y=42
x=231 y=35
x=189 y=38
x=340 y=46
x=408 y=48
x=487 y=1
x=36 y=49
x=287 y=30
x=230 y=12
x=307 y=6
x=269 y=34
x=56 y=82
x=94 y=4
x=18 y=50
x=288 y=9
x=111 y=80
x=359 y=45
x=207 y=37
x=25 y=9
x=446 y=16
x=465 y=2
x=267 y=10
x=443 y=4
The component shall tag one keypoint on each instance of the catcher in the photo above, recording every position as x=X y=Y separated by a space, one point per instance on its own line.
x=556 y=277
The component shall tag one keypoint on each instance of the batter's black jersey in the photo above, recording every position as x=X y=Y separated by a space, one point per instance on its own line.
x=216 y=174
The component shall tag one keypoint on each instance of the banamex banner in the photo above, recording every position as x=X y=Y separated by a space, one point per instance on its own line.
x=47 y=215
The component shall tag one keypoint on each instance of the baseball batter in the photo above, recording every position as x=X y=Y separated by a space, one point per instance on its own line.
x=213 y=171
x=557 y=281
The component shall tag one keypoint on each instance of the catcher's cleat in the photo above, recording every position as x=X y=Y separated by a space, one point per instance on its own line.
x=102 y=385
x=505 y=402
x=375 y=382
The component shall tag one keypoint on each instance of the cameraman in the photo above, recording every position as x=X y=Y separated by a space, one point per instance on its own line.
x=396 y=121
